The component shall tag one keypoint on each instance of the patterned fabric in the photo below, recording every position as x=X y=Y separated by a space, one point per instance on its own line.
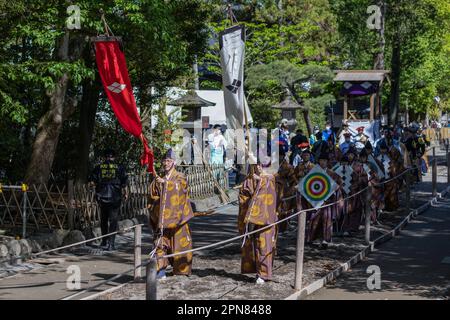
x=174 y=241
x=170 y=210
x=171 y=206
x=257 y=208
x=258 y=252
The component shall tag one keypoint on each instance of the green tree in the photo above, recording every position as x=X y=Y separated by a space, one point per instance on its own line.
x=48 y=71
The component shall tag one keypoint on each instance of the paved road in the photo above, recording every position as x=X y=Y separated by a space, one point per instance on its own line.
x=414 y=265
x=50 y=282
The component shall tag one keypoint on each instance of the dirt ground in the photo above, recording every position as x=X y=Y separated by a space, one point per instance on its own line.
x=216 y=274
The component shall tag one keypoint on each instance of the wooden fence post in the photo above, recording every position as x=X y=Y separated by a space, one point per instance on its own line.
x=151 y=280
x=300 y=250
x=137 y=252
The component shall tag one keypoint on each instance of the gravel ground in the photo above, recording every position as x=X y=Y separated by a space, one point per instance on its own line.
x=216 y=274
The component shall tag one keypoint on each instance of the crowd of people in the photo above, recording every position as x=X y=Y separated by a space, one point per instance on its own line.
x=352 y=161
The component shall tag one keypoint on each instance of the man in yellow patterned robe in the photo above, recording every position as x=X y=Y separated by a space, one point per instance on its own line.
x=257 y=209
x=170 y=212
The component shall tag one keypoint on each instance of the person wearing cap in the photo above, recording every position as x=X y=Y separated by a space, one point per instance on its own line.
x=257 y=209
x=344 y=130
x=110 y=180
x=320 y=222
x=170 y=212
x=347 y=143
x=361 y=138
x=328 y=132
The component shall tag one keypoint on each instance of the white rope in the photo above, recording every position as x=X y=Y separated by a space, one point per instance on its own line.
x=275 y=223
x=260 y=229
x=31 y=256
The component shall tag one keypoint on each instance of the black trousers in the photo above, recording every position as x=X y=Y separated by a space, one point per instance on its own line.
x=109 y=212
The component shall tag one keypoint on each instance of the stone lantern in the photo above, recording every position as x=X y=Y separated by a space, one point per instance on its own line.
x=191 y=108
x=288 y=109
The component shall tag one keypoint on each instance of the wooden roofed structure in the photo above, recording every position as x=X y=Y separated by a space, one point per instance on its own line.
x=357 y=83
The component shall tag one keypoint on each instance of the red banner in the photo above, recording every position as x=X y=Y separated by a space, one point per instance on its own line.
x=116 y=82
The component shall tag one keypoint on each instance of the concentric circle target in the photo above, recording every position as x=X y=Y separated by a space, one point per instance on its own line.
x=317 y=186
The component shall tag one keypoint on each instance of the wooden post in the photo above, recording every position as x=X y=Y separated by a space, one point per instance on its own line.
x=137 y=252
x=367 y=209
x=150 y=287
x=434 y=174
x=300 y=250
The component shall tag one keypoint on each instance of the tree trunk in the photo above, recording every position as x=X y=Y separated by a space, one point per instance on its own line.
x=305 y=111
x=88 y=110
x=395 y=81
x=379 y=58
x=48 y=131
x=307 y=121
x=49 y=127
x=379 y=63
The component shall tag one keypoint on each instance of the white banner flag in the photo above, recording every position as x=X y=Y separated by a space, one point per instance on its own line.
x=232 y=51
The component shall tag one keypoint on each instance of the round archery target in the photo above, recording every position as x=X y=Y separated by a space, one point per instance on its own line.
x=317 y=186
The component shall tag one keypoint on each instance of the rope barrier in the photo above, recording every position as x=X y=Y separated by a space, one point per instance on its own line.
x=33 y=255
x=278 y=222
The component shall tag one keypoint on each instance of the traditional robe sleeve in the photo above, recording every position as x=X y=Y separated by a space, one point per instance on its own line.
x=154 y=203
x=245 y=196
